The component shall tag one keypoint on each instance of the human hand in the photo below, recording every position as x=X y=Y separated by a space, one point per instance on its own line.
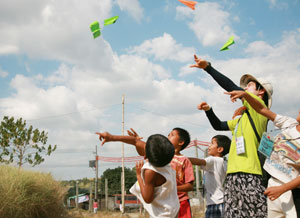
x=235 y=94
x=200 y=63
x=203 y=106
x=138 y=167
x=274 y=192
x=239 y=111
x=105 y=136
x=133 y=133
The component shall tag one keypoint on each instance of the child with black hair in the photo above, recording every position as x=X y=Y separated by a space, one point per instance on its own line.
x=214 y=167
x=156 y=180
x=180 y=139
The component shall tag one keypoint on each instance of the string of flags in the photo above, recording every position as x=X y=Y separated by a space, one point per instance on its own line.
x=137 y=158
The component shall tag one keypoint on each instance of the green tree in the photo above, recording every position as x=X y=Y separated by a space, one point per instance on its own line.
x=114 y=180
x=21 y=144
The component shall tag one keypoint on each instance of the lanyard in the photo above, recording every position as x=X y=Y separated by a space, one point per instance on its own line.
x=236 y=127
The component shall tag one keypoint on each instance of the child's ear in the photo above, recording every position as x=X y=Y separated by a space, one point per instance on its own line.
x=261 y=91
x=220 y=150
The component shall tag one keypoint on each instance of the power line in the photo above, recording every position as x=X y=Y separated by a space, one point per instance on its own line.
x=74 y=112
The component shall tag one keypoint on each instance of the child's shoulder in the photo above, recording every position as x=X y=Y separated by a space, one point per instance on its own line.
x=181 y=157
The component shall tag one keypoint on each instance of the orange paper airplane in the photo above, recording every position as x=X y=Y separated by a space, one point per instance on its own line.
x=190 y=4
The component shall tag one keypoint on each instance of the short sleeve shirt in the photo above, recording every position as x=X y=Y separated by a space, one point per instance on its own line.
x=214 y=175
x=184 y=173
x=247 y=162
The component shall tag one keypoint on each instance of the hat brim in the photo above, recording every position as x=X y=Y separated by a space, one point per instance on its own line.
x=245 y=79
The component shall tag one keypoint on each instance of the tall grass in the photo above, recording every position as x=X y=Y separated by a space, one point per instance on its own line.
x=26 y=194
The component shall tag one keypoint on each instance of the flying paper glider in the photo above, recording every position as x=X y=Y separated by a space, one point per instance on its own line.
x=110 y=20
x=95 y=28
x=190 y=4
x=227 y=44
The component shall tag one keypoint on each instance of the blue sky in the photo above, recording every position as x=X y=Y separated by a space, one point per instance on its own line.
x=57 y=77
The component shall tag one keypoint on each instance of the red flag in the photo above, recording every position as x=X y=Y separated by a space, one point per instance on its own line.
x=190 y=4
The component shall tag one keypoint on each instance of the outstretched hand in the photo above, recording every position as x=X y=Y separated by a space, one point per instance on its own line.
x=203 y=106
x=104 y=137
x=133 y=133
x=200 y=63
x=239 y=111
x=235 y=94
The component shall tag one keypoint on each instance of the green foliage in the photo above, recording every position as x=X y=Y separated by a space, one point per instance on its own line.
x=26 y=194
x=21 y=144
x=114 y=180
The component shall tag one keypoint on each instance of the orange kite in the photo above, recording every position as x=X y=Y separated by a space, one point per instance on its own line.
x=190 y=4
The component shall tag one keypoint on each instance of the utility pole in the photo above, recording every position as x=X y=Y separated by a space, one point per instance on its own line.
x=96 y=178
x=76 y=194
x=91 y=198
x=197 y=172
x=123 y=172
x=106 y=194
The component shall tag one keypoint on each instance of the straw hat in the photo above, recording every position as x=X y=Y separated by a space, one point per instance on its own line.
x=245 y=79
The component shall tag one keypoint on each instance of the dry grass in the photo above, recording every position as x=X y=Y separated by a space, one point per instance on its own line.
x=26 y=194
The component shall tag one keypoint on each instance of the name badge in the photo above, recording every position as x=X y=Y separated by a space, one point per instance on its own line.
x=240 y=145
x=266 y=145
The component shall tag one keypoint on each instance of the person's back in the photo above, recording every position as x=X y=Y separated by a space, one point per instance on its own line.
x=156 y=180
x=165 y=203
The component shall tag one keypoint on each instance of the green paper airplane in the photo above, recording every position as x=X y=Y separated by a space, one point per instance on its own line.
x=95 y=28
x=110 y=20
x=96 y=34
x=227 y=44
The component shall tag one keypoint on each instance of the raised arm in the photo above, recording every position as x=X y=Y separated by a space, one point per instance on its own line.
x=255 y=104
x=197 y=161
x=215 y=122
x=107 y=137
x=147 y=186
x=221 y=79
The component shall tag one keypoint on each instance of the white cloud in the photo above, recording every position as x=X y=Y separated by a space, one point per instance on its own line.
x=54 y=30
x=3 y=73
x=211 y=24
x=164 y=48
x=133 y=7
x=278 y=4
x=8 y=49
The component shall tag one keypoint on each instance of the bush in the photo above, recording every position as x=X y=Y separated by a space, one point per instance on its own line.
x=26 y=194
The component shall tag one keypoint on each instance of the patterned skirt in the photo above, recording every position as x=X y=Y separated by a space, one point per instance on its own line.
x=244 y=196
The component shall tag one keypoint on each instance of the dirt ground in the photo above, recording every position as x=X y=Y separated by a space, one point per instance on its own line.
x=197 y=212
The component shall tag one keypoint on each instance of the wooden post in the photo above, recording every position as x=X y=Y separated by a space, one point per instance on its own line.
x=123 y=172
x=106 y=194
x=91 y=198
x=76 y=195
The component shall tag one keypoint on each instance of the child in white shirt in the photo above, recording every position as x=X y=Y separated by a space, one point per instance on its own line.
x=214 y=168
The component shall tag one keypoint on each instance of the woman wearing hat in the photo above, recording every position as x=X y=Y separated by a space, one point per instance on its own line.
x=244 y=190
